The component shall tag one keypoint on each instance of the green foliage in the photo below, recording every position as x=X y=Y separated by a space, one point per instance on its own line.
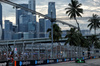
x=75 y=38
x=93 y=40
x=94 y=22
x=83 y=41
x=56 y=32
x=74 y=10
x=97 y=44
x=72 y=37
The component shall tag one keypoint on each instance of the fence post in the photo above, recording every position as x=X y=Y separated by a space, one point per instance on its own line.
x=46 y=52
x=71 y=51
x=14 y=50
x=7 y=50
x=56 y=53
x=60 y=51
x=32 y=52
x=64 y=51
x=38 y=52
x=23 y=50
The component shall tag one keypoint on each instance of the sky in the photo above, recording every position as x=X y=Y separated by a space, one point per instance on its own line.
x=89 y=7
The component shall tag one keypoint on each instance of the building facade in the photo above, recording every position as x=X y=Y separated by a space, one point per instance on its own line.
x=8 y=31
x=23 y=23
x=1 y=30
x=44 y=25
x=0 y=14
x=32 y=6
x=20 y=12
x=41 y=28
x=26 y=25
x=32 y=30
x=51 y=10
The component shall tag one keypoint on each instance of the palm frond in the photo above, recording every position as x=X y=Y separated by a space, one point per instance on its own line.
x=67 y=41
x=70 y=5
x=91 y=27
x=79 y=5
x=89 y=24
x=49 y=30
x=80 y=10
x=67 y=8
x=78 y=14
x=68 y=11
x=95 y=22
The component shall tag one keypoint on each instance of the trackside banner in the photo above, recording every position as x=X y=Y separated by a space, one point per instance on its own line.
x=3 y=63
x=38 y=62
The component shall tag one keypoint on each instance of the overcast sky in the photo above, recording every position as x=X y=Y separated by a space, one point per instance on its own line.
x=89 y=7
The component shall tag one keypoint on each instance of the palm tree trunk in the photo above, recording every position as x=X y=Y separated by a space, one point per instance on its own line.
x=80 y=32
x=78 y=25
x=95 y=31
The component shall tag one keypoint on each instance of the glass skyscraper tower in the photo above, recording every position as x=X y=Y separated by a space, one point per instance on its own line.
x=0 y=14
x=20 y=12
x=51 y=10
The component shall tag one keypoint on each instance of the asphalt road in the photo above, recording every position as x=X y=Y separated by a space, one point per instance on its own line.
x=91 y=62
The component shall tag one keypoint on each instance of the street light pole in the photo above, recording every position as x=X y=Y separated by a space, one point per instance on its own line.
x=52 y=40
x=51 y=36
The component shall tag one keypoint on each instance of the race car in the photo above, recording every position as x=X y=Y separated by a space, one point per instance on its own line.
x=80 y=60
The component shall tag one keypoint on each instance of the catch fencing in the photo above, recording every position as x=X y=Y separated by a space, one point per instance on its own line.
x=42 y=51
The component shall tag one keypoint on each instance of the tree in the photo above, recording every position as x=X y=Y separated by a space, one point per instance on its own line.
x=97 y=44
x=74 y=10
x=94 y=22
x=83 y=41
x=93 y=40
x=75 y=38
x=56 y=32
x=72 y=37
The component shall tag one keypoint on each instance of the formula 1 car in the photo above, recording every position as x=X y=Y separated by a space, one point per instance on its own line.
x=80 y=60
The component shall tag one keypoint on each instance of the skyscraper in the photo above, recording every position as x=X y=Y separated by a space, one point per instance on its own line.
x=31 y=5
x=31 y=30
x=31 y=26
x=23 y=23
x=41 y=28
x=51 y=10
x=44 y=24
x=20 y=12
x=0 y=14
x=17 y=35
x=8 y=30
x=47 y=26
x=0 y=32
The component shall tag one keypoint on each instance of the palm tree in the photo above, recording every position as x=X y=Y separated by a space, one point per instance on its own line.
x=74 y=10
x=94 y=22
x=83 y=41
x=93 y=40
x=56 y=32
x=72 y=37
x=97 y=44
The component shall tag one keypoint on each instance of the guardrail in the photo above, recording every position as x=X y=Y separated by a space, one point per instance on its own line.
x=40 y=62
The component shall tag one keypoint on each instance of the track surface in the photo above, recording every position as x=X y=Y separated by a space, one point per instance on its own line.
x=91 y=62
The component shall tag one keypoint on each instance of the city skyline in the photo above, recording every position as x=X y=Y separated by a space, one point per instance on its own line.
x=60 y=6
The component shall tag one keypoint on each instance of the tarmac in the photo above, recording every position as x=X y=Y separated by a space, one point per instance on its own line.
x=90 y=62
